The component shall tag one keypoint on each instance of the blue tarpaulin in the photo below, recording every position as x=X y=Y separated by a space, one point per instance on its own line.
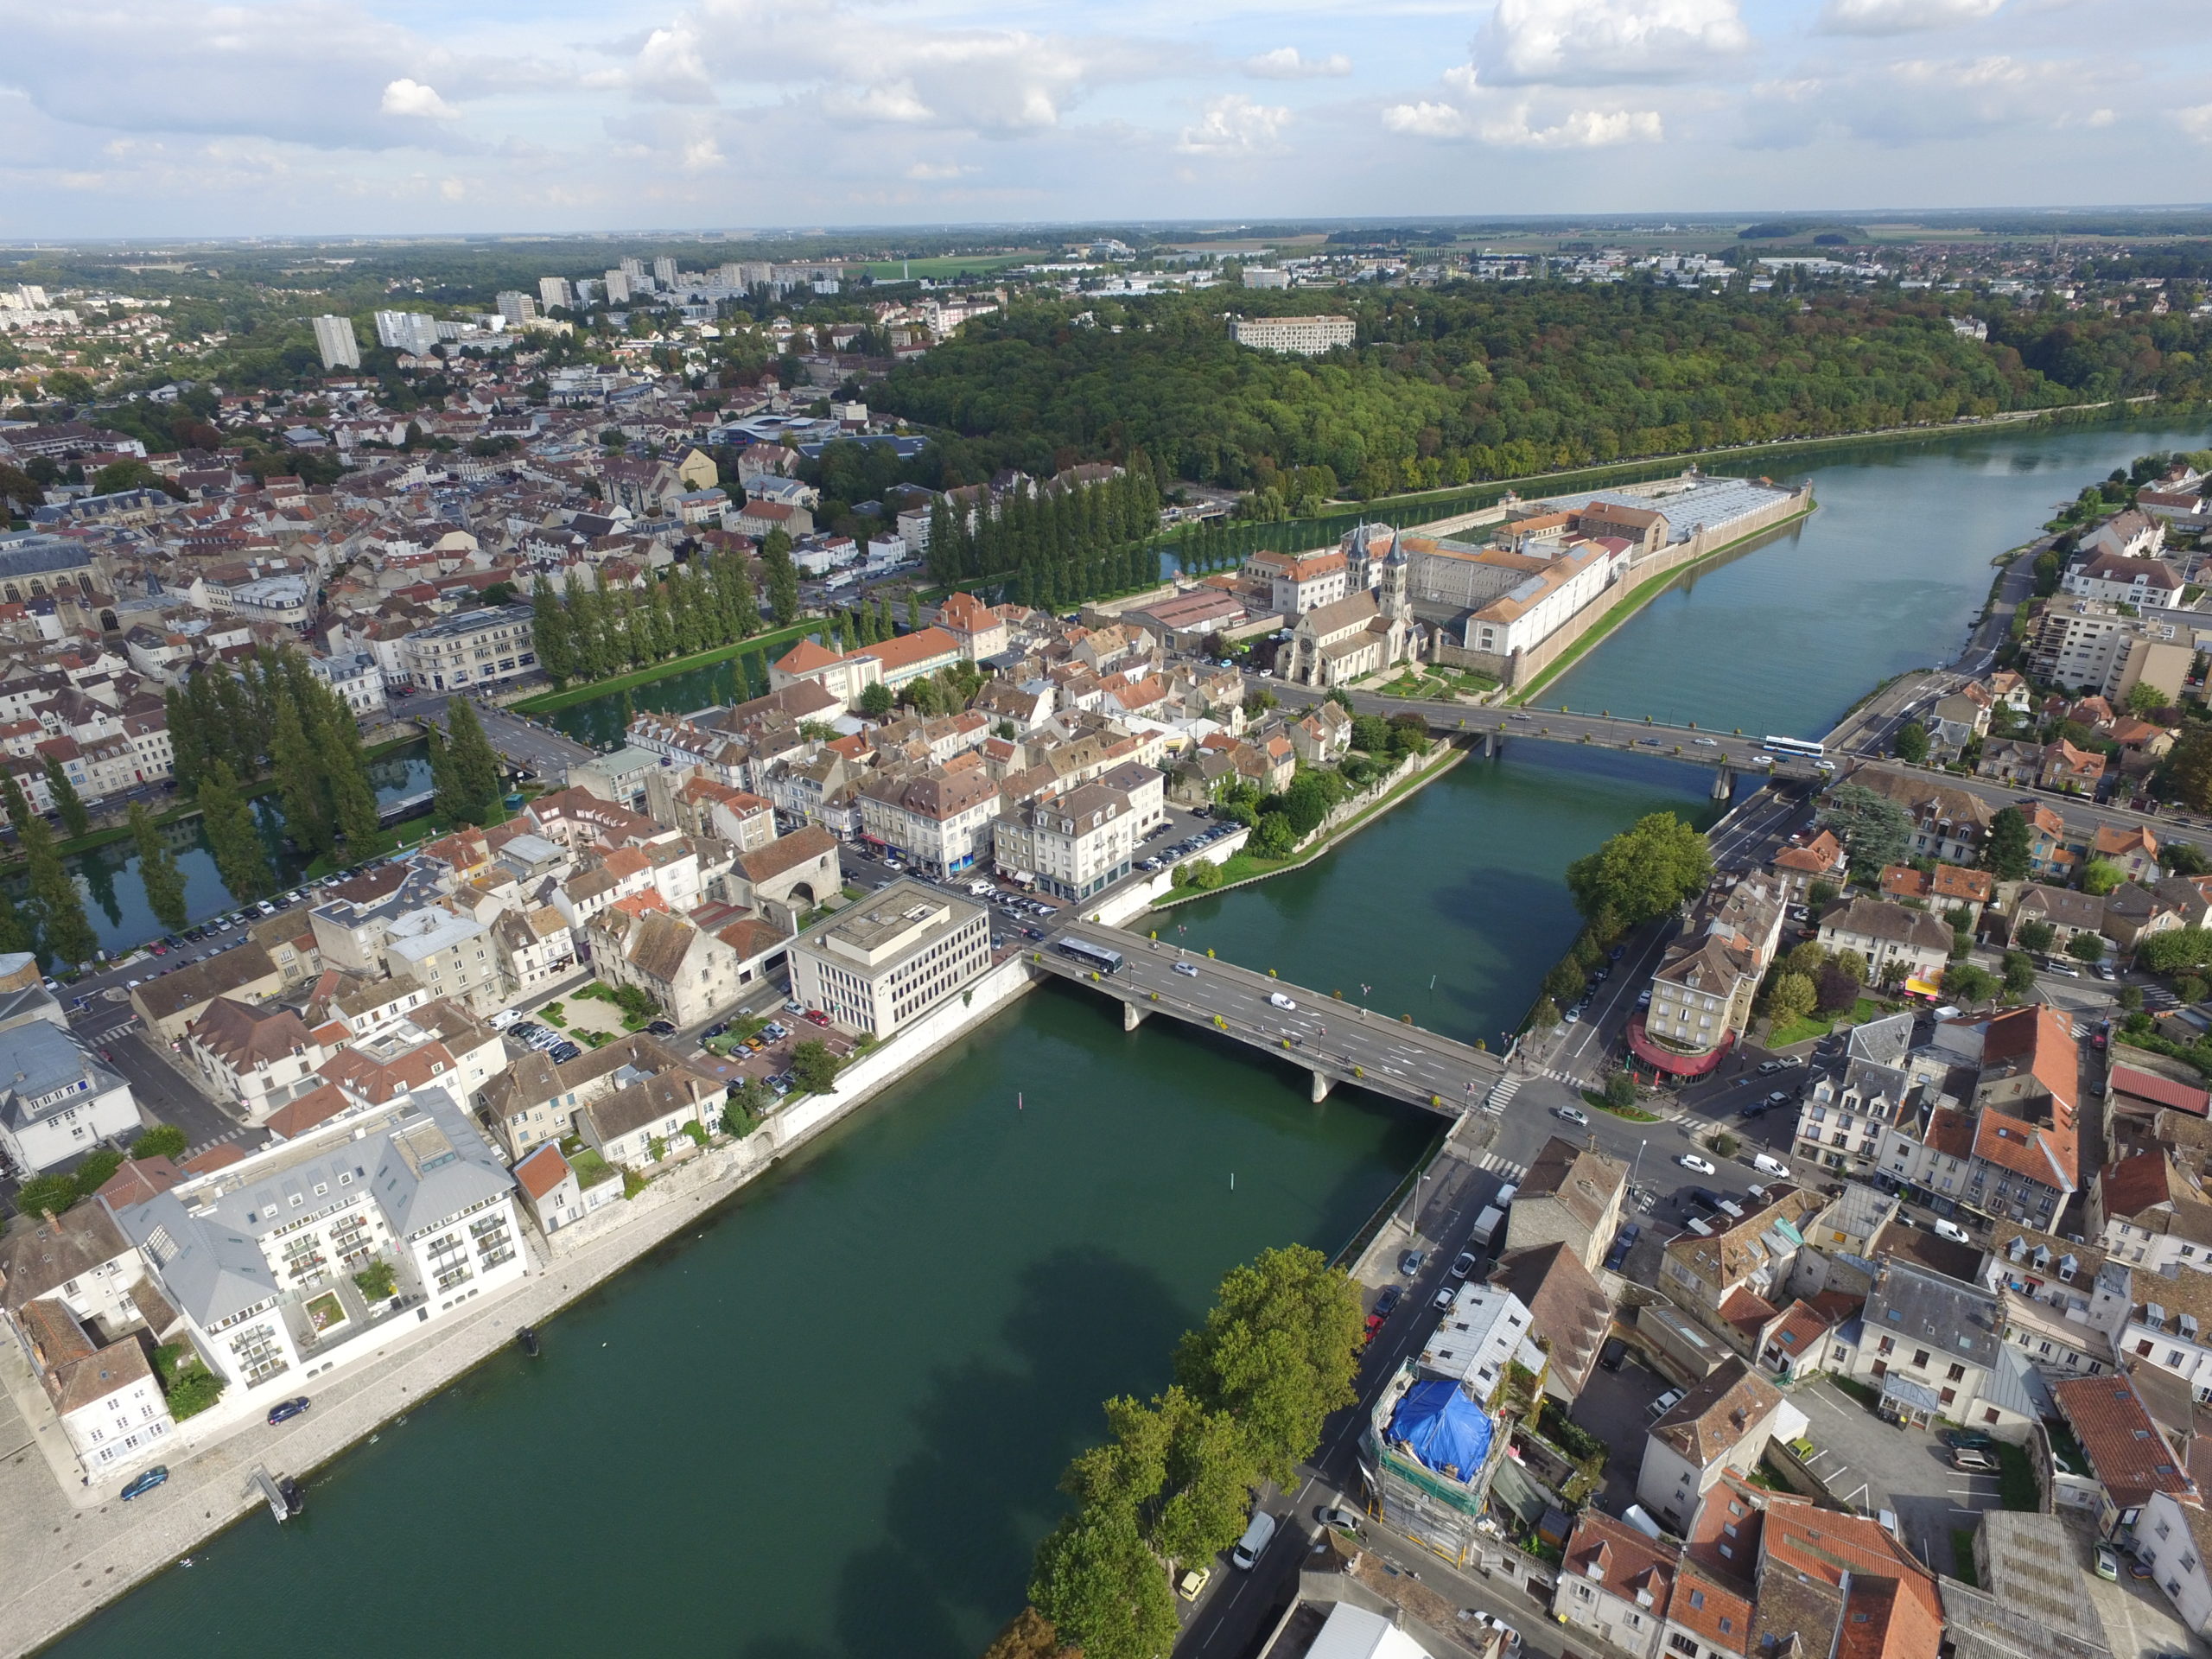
x=1439 y=1425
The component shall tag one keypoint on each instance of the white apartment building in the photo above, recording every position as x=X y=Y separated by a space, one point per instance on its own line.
x=258 y=1258
x=335 y=340
x=56 y=1101
x=448 y=956
x=1082 y=842
x=941 y=817
x=469 y=648
x=413 y=332
x=355 y=678
x=1303 y=336
x=2088 y=643
x=872 y=967
x=555 y=290
x=1299 y=584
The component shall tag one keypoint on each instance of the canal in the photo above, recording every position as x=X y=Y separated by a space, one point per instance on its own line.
x=827 y=1422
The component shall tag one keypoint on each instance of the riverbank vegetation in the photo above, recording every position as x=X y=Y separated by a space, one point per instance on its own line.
x=1172 y=1485
x=1468 y=382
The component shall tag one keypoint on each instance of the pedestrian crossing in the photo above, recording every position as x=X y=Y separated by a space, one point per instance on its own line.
x=1501 y=1093
x=114 y=1031
x=1505 y=1168
x=227 y=1136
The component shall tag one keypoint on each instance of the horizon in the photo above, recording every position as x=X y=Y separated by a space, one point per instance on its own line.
x=290 y=119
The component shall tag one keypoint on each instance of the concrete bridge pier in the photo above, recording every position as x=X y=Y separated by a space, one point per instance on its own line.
x=1133 y=1016
x=1724 y=781
x=1493 y=743
x=1322 y=1083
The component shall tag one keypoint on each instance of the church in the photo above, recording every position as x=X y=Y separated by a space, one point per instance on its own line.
x=1362 y=634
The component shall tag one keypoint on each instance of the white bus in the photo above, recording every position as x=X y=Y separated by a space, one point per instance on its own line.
x=1793 y=745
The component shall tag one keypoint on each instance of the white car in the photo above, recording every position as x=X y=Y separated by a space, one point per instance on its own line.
x=504 y=1018
x=1570 y=1114
x=1276 y=999
x=1690 y=1161
x=1186 y=968
x=1704 y=743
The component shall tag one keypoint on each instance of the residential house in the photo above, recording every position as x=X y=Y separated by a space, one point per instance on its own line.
x=1615 y=1583
x=1721 y=1423
x=2070 y=771
x=1568 y=1306
x=1820 y=859
x=2070 y=914
x=2128 y=1453
x=2173 y=1538
x=261 y=1056
x=1897 y=944
x=57 y=1100
x=1572 y=1196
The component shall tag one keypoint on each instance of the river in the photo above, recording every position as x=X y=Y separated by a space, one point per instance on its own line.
x=828 y=1423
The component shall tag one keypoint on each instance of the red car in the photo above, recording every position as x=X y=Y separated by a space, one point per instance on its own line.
x=818 y=1017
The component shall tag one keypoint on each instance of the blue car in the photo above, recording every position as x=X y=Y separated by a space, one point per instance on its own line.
x=142 y=1485
x=285 y=1411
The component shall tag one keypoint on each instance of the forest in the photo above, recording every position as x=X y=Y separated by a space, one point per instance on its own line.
x=1471 y=382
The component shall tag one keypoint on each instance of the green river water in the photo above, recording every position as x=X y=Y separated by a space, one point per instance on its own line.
x=828 y=1420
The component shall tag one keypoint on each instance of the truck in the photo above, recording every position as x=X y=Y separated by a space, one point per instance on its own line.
x=1487 y=1225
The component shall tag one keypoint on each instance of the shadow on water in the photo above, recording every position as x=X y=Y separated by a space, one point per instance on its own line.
x=959 y=1530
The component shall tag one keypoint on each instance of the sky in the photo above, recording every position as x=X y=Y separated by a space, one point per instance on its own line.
x=150 y=118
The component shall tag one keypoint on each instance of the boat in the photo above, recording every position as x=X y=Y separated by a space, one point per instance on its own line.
x=528 y=1337
x=295 y=1495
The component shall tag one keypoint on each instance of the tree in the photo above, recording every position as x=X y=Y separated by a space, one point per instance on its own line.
x=1792 y=998
x=1274 y=838
x=15 y=933
x=814 y=1068
x=2019 y=973
x=2005 y=855
x=1911 y=743
x=157 y=871
x=1310 y=799
x=2183 y=858
x=163 y=1140
x=782 y=577
x=2035 y=936
x=74 y=818
x=2099 y=876
x=876 y=700
x=45 y=1195
x=2189 y=769
x=1369 y=731
x=19 y=806
x=1620 y=1092
x=1646 y=871
x=1100 y=1587
x=2145 y=698
x=1968 y=984
x=1834 y=991
x=475 y=763
x=1029 y=1635
x=2176 y=949
x=1545 y=1016
x=552 y=634
x=298 y=767
x=1279 y=1351
x=64 y=934
x=2086 y=947
x=233 y=839
x=1875 y=831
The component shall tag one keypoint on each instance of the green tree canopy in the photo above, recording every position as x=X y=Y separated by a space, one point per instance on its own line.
x=1653 y=867
x=157 y=871
x=1875 y=831
x=2006 y=853
x=1912 y=742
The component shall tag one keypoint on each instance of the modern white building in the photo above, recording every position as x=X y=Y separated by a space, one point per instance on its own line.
x=1077 y=844
x=335 y=340
x=555 y=290
x=354 y=677
x=258 y=1258
x=469 y=648
x=57 y=1101
x=2173 y=1538
x=1303 y=336
x=412 y=332
x=874 y=966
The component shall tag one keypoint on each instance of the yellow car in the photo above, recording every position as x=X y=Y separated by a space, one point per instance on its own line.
x=1192 y=1583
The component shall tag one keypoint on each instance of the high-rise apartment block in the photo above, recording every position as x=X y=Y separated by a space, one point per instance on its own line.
x=335 y=340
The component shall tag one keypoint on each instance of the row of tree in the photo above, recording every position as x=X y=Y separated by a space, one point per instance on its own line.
x=585 y=632
x=1173 y=1482
x=464 y=768
x=1052 y=548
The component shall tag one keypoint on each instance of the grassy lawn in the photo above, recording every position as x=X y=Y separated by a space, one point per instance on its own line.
x=1440 y=683
x=1633 y=1114
x=1962 y=1557
x=326 y=1311
x=2016 y=1478
x=950 y=264
x=772 y=645
x=591 y=1169
x=1813 y=1025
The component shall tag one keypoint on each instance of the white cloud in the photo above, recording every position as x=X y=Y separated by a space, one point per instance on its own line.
x=1901 y=16
x=1285 y=63
x=1234 y=125
x=1584 y=41
x=412 y=97
x=2195 y=122
x=1510 y=128
x=1923 y=100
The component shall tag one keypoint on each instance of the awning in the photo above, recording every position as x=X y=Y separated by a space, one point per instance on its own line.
x=1922 y=988
x=1915 y=1396
x=1680 y=1065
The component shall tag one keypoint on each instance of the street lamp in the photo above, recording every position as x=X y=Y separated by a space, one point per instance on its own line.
x=1636 y=1167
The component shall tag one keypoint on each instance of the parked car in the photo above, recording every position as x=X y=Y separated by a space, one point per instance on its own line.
x=2107 y=1563
x=1665 y=1403
x=1690 y=1161
x=1968 y=1437
x=142 y=1483
x=285 y=1410
x=1613 y=1355
x=504 y=1018
x=1254 y=1543
x=1192 y=1583
x=1412 y=1261
x=1445 y=1294
x=662 y=1027
x=564 y=1052
x=1973 y=1460
x=1767 y=1164
x=1387 y=1303
x=1949 y=1229
x=1464 y=1264
x=1342 y=1520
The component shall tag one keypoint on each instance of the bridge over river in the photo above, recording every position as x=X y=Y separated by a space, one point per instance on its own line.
x=1333 y=1041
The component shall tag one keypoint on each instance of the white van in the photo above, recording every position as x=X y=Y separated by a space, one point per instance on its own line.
x=1278 y=1000
x=1949 y=1229
x=1256 y=1539
x=1768 y=1164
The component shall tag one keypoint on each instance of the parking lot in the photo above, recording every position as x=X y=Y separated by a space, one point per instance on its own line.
x=1874 y=1465
x=1616 y=1406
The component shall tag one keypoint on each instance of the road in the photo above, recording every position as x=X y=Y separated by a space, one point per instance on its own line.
x=1317 y=1032
x=531 y=747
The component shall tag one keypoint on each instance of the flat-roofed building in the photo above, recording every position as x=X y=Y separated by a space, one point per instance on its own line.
x=1303 y=336
x=470 y=648
x=875 y=965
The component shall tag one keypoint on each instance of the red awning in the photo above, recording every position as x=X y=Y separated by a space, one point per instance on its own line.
x=1680 y=1065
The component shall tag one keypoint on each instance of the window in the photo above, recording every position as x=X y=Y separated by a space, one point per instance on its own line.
x=1957 y=1373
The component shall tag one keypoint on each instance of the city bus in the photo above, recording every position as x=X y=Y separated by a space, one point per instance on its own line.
x=1096 y=957
x=1794 y=745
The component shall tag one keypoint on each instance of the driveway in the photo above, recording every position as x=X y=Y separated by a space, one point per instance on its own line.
x=1873 y=1466
x=1615 y=1406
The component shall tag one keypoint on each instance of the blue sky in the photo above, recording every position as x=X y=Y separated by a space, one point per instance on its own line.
x=176 y=118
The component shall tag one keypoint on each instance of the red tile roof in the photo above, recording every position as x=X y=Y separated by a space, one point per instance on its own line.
x=2128 y=1455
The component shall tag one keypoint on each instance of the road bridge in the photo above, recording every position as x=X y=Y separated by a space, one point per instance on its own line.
x=1333 y=1041
x=1726 y=753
